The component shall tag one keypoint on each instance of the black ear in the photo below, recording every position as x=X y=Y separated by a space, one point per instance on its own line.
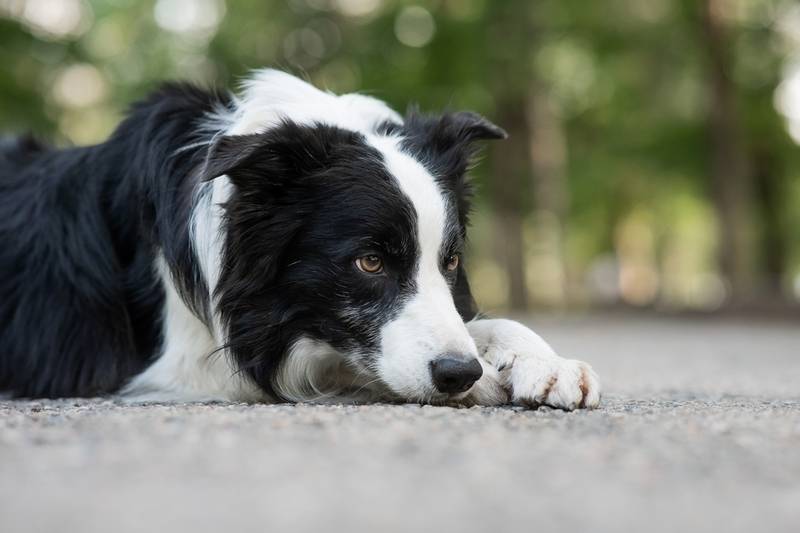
x=229 y=153
x=447 y=142
x=450 y=129
x=452 y=134
x=468 y=126
x=289 y=149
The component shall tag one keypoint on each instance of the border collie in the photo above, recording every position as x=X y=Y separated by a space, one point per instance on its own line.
x=286 y=244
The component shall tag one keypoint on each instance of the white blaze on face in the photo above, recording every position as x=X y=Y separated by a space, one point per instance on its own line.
x=428 y=325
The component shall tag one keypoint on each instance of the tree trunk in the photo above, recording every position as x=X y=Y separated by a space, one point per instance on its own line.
x=731 y=181
x=509 y=185
x=509 y=168
x=548 y=157
x=770 y=199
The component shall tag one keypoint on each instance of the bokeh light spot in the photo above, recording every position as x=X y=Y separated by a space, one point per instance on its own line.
x=79 y=85
x=189 y=16
x=414 y=26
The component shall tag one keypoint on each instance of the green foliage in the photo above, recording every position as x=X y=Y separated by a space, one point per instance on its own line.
x=629 y=81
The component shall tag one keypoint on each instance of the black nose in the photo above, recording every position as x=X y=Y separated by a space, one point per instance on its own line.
x=453 y=373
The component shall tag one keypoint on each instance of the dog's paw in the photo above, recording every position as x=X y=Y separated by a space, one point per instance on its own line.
x=530 y=371
x=561 y=383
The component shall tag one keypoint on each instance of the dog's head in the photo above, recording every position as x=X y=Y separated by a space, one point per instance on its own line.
x=344 y=247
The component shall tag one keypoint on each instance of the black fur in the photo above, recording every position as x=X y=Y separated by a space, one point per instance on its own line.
x=80 y=300
x=80 y=305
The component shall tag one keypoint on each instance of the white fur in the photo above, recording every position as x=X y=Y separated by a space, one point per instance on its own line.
x=529 y=368
x=314 y=371
x=207 y=238
x=271 y=96
x=309 y=371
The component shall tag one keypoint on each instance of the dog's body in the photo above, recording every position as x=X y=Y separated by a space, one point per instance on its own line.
x=289 y=244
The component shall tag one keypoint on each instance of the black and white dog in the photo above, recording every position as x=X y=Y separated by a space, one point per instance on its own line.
x=286 y=244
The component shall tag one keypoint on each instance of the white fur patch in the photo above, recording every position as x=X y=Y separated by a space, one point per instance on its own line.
x=314 y=371
x=529 y=368
x=309 y=371
x=271 y=96
x=208 y=239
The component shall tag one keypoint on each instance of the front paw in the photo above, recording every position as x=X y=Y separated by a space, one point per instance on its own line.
x=531 y=372
x=561 y=383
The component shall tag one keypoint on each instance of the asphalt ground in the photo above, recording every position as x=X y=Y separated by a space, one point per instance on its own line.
x=699 y=430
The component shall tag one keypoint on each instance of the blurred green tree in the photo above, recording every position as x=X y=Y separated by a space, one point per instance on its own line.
x=647 y=164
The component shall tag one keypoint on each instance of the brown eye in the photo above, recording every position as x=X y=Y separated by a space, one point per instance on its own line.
x=371 y=264
x=452 y=263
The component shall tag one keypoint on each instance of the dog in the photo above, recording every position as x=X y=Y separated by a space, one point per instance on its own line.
x=285 y=244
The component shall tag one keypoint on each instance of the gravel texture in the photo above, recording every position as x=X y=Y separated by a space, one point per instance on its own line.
x=699 y=431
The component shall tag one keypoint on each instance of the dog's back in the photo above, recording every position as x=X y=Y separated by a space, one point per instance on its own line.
x=80 y=298
x=62 y=304
x=81 y=230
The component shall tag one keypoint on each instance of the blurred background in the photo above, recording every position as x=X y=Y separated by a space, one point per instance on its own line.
x=653 y=155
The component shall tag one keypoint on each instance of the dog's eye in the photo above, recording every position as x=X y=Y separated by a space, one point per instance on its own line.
x=371 y=264
x=451 y=263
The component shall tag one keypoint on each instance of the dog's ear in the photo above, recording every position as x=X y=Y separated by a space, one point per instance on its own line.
x=285 y=151
x=229 y=153
x=447 y=141
x=468 y=127
x=449 y=130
